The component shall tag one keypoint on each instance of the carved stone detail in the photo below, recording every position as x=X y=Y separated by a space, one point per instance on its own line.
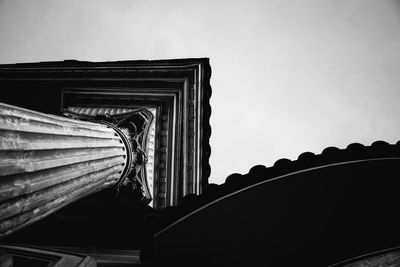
x=179 y=90
x=47 y=162
x=133 y=128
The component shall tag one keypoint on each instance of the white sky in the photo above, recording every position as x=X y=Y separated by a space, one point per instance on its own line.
x=288 y=76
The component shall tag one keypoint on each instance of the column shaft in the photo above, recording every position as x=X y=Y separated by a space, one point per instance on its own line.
x=47 y=162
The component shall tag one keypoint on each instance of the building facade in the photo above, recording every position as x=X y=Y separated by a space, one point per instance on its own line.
x=174 y=94
x=87 y=147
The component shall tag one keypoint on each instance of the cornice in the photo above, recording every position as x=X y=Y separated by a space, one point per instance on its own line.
x=184 y=62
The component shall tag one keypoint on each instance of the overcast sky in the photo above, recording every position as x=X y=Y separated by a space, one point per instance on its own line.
x=288 y=76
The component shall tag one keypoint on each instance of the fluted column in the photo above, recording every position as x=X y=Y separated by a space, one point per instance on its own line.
x=47 y=162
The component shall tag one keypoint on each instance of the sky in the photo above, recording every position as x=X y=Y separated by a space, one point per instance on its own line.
x=287 y=76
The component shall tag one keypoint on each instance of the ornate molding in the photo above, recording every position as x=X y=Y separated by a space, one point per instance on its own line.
x=179 y=91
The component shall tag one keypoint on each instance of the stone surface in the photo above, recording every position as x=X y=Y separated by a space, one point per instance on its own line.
x=47 y=162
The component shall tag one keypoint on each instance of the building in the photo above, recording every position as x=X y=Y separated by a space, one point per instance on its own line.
x=149 y=121
x=175 y=92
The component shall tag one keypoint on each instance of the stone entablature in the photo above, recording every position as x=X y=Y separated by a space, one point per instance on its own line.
x=178 y=91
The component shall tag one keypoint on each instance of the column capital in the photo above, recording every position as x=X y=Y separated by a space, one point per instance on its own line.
x=131 y=127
